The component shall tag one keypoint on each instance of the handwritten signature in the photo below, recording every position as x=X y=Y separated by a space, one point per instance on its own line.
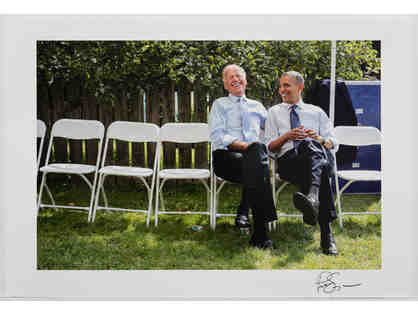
x=327 y=282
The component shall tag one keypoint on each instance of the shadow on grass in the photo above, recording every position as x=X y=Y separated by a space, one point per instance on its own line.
x=117 y=242
x=353 y=228
x=123 y=241
x=292 y=241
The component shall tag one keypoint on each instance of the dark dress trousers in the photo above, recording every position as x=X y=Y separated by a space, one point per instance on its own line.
x=251 y=169
x=310 y=166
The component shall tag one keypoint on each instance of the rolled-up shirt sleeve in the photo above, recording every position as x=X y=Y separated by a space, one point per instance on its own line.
x=327 y=131
x=219 y=136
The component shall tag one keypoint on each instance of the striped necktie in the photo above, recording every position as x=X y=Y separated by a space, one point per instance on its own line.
x=294 y=122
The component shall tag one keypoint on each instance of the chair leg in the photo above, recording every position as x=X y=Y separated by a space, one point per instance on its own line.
x=338 y=193
x=214 y=209
x=273 y=186
x=40 y=193
x=213 y=204
x=157 y=196
x=208 y=200
x=50 y=194
x=96 y=199
x=93 y=191
x=103 y=192
x=149 y=206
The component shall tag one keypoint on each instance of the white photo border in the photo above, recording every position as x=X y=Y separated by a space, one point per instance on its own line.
x=18 y=36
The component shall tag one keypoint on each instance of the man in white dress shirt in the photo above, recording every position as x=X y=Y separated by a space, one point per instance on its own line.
x=236 y=124
x=299 y=136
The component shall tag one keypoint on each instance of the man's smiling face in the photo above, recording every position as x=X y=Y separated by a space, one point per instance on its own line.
x=234 y=81
x=290 y=90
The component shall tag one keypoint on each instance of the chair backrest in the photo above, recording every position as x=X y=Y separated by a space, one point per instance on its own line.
x=41 y=129
x=78 y=129
x=40 y=133
x=184 y=132
x=133 y=131
x=358 y=135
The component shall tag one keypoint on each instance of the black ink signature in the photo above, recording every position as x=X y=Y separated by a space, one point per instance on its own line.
x=328 y=283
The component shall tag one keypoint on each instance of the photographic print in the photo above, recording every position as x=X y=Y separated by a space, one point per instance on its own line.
x=147 y=84
x=196 y=157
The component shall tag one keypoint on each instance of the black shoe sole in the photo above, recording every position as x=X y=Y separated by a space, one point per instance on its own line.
x=305 y=206
x=328 y=252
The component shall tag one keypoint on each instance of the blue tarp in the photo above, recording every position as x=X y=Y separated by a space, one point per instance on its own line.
x=365 y=96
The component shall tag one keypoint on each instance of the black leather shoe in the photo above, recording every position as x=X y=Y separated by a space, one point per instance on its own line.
x=266 y=245
x=328 y=244
x=242 y=222
x=308 y=206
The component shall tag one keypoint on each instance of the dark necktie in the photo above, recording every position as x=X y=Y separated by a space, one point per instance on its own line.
x=294 y=122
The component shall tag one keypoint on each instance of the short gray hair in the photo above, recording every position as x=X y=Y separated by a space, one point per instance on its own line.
x=296 y=75
x=237 y=67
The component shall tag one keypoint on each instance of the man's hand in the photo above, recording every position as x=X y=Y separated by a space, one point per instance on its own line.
x=328 y=144
x=296 y=134
x=312 y=134
x=239 y=146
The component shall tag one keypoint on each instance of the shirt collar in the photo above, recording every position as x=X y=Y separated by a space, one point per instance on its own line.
x=300 y=104
x=236 y=98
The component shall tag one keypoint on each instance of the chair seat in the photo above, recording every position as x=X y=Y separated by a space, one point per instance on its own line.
x=68 y=168
x=360 y=175
x=184 y=173
x=126 y=171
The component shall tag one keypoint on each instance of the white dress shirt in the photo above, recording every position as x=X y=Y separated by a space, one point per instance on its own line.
x=234 y=119
x=310 y=116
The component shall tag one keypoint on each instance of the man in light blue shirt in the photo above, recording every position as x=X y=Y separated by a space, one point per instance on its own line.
x=299 y=135
x=236 y=130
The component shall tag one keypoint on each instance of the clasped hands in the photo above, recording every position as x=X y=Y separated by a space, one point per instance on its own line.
x=300 y=133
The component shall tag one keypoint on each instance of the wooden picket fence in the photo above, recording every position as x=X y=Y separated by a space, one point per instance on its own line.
x=174 y=103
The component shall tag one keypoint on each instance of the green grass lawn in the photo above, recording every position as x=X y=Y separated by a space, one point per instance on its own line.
x=119 y=240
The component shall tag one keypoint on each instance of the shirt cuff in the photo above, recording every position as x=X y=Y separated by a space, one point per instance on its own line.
x=271 y=153
x=228 y=139
x=335 y=144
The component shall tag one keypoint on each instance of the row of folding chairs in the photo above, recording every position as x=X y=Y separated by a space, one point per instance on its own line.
x=135 y=132
x=178 y=133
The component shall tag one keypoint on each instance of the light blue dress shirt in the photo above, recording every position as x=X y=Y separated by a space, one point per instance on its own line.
x=235 y=118
x=310 y=116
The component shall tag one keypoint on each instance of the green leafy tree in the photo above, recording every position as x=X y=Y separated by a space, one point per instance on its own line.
x=108 y=69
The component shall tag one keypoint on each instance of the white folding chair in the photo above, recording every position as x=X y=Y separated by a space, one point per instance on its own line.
x=77 y=130
x=216 y=192
x=137 y=132
x=276 y=192
x=355 y=136
x=40 y=133
x=183 y=133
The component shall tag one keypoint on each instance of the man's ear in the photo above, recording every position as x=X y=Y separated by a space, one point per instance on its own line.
x=301 y=87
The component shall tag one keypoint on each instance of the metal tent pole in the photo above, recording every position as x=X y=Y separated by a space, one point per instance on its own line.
x=332 y=81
